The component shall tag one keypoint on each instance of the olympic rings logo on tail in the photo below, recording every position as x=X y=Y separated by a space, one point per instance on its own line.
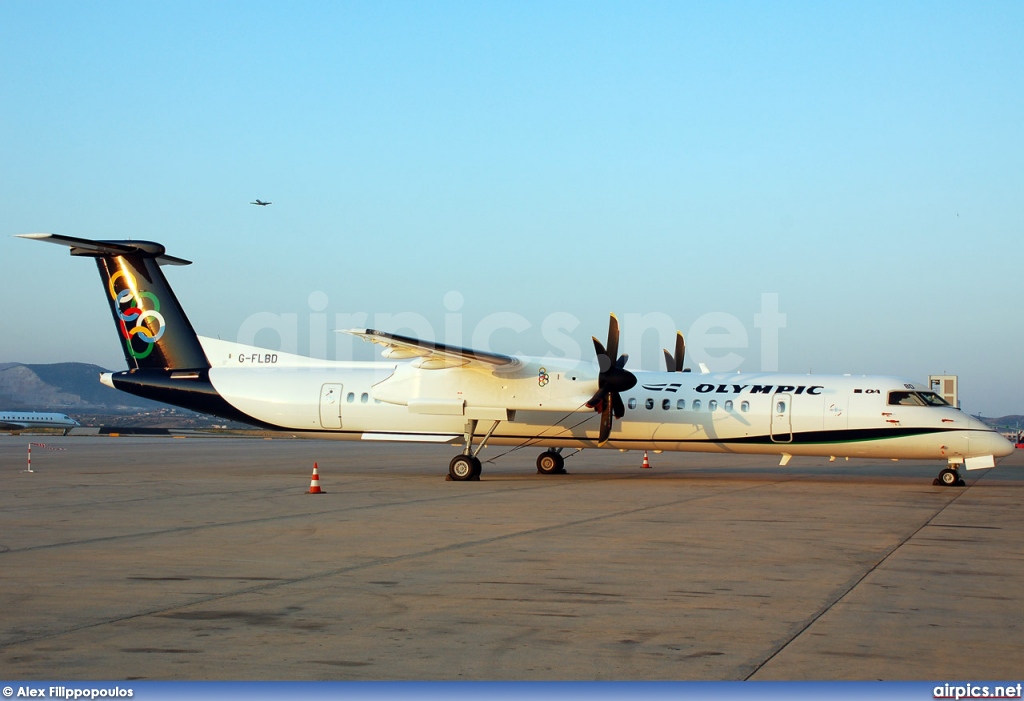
x=130 y=305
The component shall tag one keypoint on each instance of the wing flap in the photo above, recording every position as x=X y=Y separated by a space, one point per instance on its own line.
x=433 y=356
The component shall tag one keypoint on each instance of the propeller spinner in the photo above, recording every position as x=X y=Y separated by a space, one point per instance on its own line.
x=612 y=380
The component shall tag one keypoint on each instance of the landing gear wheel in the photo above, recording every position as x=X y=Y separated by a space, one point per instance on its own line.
x=550 y=463
x=950 y=478
x=463 y=468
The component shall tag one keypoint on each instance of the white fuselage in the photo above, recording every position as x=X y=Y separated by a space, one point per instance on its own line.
x=825 y=415
x=434 y=392
x=20 y=420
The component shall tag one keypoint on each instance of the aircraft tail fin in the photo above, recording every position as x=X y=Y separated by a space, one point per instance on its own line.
x=154 y=331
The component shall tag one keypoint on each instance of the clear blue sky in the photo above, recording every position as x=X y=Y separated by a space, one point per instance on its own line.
x=863 y=161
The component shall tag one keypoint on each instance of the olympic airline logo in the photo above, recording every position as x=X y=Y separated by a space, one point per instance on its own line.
x=542 y=377
x=131 y=307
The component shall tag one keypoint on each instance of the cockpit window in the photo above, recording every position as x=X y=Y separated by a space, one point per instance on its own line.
x=905 y=399
x=932 y=399
x=916 y=399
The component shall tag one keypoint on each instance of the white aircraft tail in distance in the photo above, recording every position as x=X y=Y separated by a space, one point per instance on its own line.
x=436 y=393
x=27 y=420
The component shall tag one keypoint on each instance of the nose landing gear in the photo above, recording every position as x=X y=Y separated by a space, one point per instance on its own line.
x=949 y=477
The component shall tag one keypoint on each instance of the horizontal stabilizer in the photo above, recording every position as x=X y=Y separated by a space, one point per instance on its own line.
x=99 y=249
x=154 y=332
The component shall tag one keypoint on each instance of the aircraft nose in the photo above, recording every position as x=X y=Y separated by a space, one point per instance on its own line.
x=1003 y=447
x=985 y=441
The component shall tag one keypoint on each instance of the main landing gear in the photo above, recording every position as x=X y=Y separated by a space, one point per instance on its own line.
x=551 y=462
x=467 y=466
x=464 y=467
x=950 y=477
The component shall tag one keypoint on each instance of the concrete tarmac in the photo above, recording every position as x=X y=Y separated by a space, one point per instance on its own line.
x=205 y=558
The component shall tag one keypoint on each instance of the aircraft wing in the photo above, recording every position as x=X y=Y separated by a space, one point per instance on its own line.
x=433 y=355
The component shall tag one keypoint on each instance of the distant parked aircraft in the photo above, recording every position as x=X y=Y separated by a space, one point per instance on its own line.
x=261 y=203
x=20 y=420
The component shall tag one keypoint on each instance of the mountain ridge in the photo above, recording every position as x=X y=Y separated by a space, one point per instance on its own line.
x=63 y=387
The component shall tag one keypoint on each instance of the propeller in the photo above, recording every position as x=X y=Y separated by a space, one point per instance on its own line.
x=674 y=363
x=613 y=379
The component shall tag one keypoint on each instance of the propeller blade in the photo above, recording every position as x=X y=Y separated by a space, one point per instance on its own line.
x=604 y=361
x=680 y=351
x=597 y=402
x=618 y=408
x=606 y=424
x=674 y=363
x=613 y=337
x=613 y=378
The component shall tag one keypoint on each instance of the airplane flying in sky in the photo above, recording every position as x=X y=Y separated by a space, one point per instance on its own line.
x=435 y=393
x=261 y=203
x=21 y=420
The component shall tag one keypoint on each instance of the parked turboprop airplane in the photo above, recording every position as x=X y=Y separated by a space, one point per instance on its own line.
x=436 y=393
x=21 y=420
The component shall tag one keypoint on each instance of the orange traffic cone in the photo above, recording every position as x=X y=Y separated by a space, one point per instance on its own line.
x=647 y=463
x=314 y=484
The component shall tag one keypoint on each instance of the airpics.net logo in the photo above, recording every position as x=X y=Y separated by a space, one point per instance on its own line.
x=977 y=691
x=720 y=340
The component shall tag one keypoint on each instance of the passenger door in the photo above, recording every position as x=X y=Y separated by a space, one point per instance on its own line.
x=782 y=418
x=330 y=406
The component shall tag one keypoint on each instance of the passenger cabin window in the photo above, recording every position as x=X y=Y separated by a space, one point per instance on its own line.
x=666 y=404
x=632 y=402
x=696 y=405
x=780 y=407
x=649 y=403
x=728 y=405
x=681 y=404
x=364 y=397
x=351 y=397
x=745 y=406
x=712 y=405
